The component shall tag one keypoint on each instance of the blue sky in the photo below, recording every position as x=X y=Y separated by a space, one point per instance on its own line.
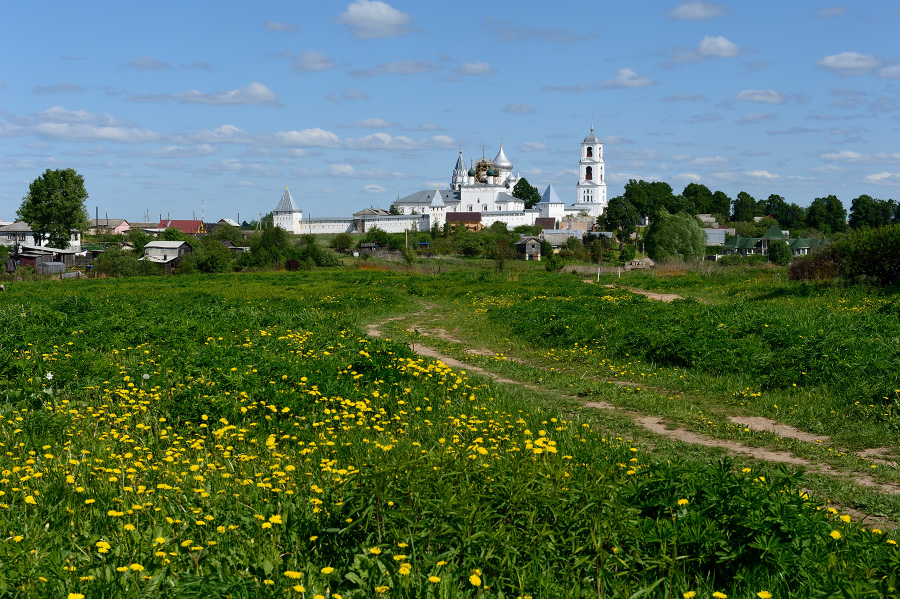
x=169 y=106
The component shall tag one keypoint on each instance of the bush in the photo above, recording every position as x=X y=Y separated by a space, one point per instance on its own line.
x=342 y=241
x=116 y=262
x=738 y=260
x=675 y=237
x=779 y=253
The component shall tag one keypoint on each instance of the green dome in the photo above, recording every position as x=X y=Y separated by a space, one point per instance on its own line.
x=471 y=172
x=491 y=172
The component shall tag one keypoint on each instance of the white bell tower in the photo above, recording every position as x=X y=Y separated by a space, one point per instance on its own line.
x=591 y=187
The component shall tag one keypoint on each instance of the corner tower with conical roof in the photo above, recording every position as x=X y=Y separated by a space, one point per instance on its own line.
x=286 y=214
x=591 y=189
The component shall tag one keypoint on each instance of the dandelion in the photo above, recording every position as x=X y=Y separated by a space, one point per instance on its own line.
x=475 y=580
x=89 y=501
x=720 y=595
x=293 y=574
x=327 y=570
x=129 y=527
x=299 y=588
x=382 y=589
x=835 y=534
x=136 y=567
x=30 y=500
x=18 y=538
x=276 y=519
x=268 y=582
x=689 y=595
x=434 y=579
x=892 y=541
x=375 y=551
x=764 y=595
x=683 y=502
x=405 y=569
x=845 y=518
x=75 y=596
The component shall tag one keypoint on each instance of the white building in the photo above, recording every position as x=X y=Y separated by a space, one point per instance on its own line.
x=287 y=214
x=20 y=233
x=591 y=189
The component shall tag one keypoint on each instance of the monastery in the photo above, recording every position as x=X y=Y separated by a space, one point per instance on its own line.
x=486 y=187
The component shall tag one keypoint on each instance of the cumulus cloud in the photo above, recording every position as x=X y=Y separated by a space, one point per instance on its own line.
x=831 y=11
x=254 y=94
x=307 y=138
x=709 y=47
x=885 y=178
x=476 y=68
x=147 y=63
x=312 y=61
x=761 y=175
x=850 y=63
x=755 y=117
x=58 y=88
x=76 y=125
x=374 y=189
x=859 y=158
x=373 y=19
x=764 y=96
x=399 y=67
x=514 y=108
x=688 y=177
x=391 y=143
x=234 y=165
x=709 y=160
x=532 y=146
x=697 y=11
x=279 y=27
x=891 y=72
x=626 y=79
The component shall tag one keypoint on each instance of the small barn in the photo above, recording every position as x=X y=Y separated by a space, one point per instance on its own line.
x=529 y=248
x=50 y=268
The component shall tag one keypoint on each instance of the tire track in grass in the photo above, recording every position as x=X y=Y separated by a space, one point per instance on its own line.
x=658 y=426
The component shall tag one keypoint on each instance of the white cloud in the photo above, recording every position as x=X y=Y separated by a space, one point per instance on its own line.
x=697 y=11
x=245 y=184
x=850 y=63
x=476 y=68
x=373 y=19
x=279 y=27
x=354 y=94
x=222 y=134
x=245 y=168
x=75 y=125
x=182 y=151
x=532 y=146
x=885 y=178
x=147 y=63
x=373 y=123
x=58 y=88
x=374 y=189
x=858 y=158
x=312 y=61
x=307 y=138
x=709 y=160
x=891 y=72
x=831 y=11
x=626 y=79
x=254 y=94
x=688 y=177
x=755 y=117
x=764 y=96
x=391 y=143
x=709 y=47
x=761 y=175
x=514 y=108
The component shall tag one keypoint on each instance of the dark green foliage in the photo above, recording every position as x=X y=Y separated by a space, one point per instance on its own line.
x=226 y=232
x=648 y=197
x=117 y=262
x=788 y=216
x=738 y=260
x=394 y=210
x=527 y=192
x=721 y=204
x=779 y=253
x=212 y=256
x=138 y=239
x=343 y=241
x=675 y=237
x=627 y=253
x=866 y=211
x=827 y=215
x=54 y=206
x=872 y=254
x=376 y=235
x=744 y=208
x=620 y=216
x=700 y=196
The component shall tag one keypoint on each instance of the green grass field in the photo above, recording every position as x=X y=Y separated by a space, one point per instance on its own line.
x=240 y=435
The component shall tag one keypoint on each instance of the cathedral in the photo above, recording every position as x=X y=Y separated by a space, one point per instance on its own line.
x=487 y=187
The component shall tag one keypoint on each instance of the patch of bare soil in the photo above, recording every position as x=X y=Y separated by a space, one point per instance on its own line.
x=885 y=456
x=758 y=423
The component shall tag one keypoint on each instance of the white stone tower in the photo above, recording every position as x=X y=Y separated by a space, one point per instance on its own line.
x=286 y=214
x=591 y=187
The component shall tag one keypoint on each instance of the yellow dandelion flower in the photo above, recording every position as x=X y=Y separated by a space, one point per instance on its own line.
x=764 y=595
x=434 y=579
x=835 y=534
x=845 y=518
x=30 y=500
x=293 y=574
x=136 y=567
x=327 y=570
x=382 y=589
x=475 y=580
x=268 y=582
x=720 y=595
x=75 y=596
x=299 y=588
x=375 y=551
x=683 y=502
x=689 y=595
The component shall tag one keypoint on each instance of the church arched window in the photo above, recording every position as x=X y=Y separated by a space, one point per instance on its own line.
x=588 y=174
x=470 y=207
x=590 y=152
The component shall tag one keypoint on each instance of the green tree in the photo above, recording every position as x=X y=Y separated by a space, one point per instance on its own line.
x=394 y=210
x=526 y=192
x=138 y=239
x=700 y=196
x=342 y=241
x=621 y=216
x=779 y=253
x=212 y=256
x=866 y=211
x=225 y=232
x=827 y=215
x=721 y=204
x=648 y=197
x=54 y=206
x=675 y=237
x=744 y=208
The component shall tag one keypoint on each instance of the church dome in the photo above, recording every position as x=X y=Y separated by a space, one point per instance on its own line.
x=501 y=161
x=591 y=139
x=471 y=172
x=491 y=172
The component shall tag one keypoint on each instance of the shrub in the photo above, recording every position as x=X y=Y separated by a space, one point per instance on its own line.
x=627 y=253
x=779 y=253
x=675 y=237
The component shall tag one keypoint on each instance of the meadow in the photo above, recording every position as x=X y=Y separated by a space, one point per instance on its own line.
x=239 y=435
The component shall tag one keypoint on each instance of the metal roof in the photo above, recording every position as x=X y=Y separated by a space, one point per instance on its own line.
x=287 y=203
x=550 y=196
x=501 y=161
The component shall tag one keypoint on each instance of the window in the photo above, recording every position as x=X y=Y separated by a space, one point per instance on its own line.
x=470 y=207
x=588 y=174
x=590 y=152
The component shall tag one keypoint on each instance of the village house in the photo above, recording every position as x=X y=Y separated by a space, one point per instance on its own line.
x=529 y=248
x=748 y=246
x=166 y=252
x=21 y=234
x=114 y=226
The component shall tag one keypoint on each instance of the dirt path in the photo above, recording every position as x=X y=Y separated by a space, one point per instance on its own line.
x=662 y=297
x=659 y=427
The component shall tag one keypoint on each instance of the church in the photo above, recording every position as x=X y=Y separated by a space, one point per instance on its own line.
x=485 y=188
